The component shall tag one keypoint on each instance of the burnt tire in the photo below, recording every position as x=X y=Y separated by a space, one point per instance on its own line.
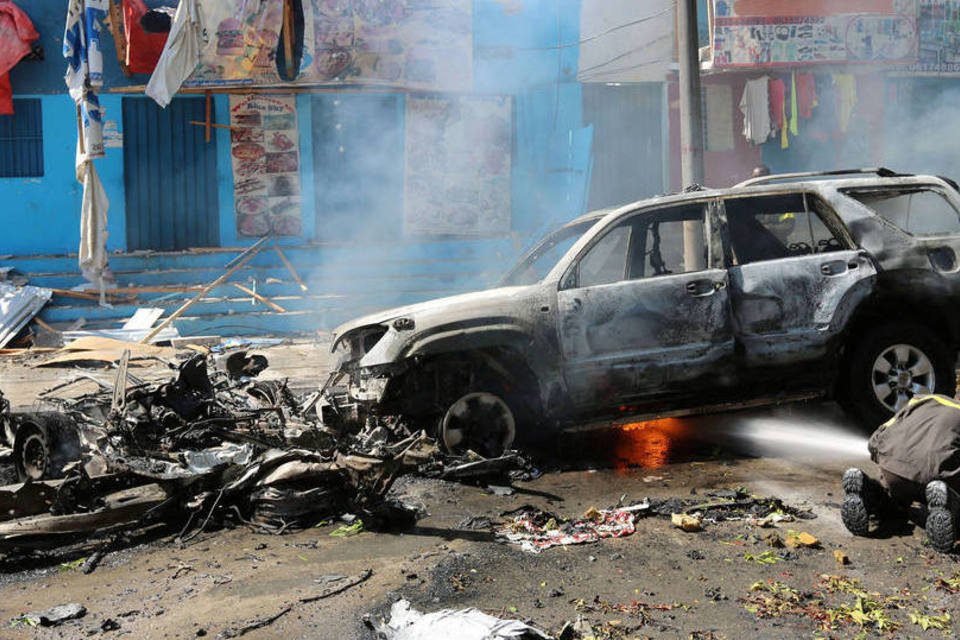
x=43 y=446
x=478 y=421
x=888 y=365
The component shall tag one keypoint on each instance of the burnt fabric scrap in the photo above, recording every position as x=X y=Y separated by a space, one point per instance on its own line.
x=536 y=530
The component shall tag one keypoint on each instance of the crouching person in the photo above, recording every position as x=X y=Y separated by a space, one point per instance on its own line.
x=918 y=452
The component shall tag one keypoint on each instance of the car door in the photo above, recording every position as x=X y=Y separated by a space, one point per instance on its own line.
x=636 y=322
x=793 y=270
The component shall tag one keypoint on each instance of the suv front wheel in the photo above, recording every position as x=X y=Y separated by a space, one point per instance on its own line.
x=889 y=365
x=481 y=421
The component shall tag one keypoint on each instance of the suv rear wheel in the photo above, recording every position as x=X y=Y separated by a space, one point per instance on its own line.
x=891 y=364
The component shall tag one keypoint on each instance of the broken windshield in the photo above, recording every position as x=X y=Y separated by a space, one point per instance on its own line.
x=537 y=263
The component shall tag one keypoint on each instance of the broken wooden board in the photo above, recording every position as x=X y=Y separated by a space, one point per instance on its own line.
x=109 y=350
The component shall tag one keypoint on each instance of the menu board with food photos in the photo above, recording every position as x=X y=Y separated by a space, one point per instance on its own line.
x=266 y=165
x=457 y=177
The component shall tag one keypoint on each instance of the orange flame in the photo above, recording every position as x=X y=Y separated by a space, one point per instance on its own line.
x=646 y=444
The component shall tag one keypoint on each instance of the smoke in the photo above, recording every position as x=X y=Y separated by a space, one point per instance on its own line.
x=906 y=124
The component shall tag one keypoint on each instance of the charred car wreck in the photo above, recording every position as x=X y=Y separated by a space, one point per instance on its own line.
x=841 y=284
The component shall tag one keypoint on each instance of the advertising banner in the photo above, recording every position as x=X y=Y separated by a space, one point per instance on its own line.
x=241 y=42
x=938 y=23
x=770 y=33
x=425 y=44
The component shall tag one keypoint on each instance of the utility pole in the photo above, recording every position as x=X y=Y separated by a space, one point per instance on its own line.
x=691 y=124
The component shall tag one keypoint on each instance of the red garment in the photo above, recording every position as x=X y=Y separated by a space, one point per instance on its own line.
x=16 y=34
x=806 y=94
x=778 y=96
x=143 y=49
x=6 y=95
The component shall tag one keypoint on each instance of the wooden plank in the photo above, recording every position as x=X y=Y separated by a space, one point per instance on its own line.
x=97 y=343
x=289 y=266
x=259 y=298
x=208 y=120
x=115 y=24
x=238 y=264
x=43 y=325
x=288 y=36
x=215 y=125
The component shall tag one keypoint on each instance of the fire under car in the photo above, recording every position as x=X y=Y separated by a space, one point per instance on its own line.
x=843 y=284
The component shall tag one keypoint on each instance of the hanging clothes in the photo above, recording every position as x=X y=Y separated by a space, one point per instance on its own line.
x=778 y=109
x=180 y=56
x=143 y=48
x=794 y=125
x=16 y=35
x=846 y=84
x=84 y=54
x=93 y=224
x=755 y=107
x=806 y=95
x=83 y=51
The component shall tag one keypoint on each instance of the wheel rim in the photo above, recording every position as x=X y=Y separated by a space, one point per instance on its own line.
x=480 y=422
x=901 y=372
x=34 y=457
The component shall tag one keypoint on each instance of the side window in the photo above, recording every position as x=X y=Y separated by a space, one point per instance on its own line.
x=606 y=262
x=662 y=252
x=776 y=227
x=920 y=211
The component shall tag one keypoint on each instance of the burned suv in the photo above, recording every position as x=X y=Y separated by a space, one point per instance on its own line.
x=842 y=284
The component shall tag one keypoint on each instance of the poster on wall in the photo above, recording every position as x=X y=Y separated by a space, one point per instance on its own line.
x=938 y=25
x=266 y=165
x=241 y=47
x=457 y=173
x=409 y=43
x=749 y=33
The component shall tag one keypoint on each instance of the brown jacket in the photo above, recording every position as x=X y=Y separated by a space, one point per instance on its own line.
x=922 y=441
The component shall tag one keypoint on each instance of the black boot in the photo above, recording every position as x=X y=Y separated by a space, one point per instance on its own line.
x=942 y=505
x=859 y=501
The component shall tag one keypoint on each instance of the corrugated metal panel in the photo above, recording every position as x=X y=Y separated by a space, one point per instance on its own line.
x=170 y=176
x=21 y=140
x=18 y=306
x=627 y=142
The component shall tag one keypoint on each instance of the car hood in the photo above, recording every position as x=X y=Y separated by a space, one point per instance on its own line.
x=502 y=300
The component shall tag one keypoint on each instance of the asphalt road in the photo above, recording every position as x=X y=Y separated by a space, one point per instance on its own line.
x=722 y=582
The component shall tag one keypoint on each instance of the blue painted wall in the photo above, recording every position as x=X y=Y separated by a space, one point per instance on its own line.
x=524 y=48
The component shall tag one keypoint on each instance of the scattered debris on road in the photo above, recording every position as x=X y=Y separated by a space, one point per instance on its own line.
x=51 y=617
x=406 y=623
x=213 y=446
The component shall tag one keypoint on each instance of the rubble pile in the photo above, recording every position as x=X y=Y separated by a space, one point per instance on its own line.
x=213 y=446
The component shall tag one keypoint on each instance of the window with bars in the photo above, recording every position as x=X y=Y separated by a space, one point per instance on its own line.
x=21 y=140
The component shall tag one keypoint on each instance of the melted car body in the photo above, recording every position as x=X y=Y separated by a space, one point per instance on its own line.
x=768 y=291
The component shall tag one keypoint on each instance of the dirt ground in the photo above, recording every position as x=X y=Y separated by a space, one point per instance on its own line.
x=722 y=582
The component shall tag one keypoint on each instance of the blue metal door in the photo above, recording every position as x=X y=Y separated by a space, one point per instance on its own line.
x=170 y=176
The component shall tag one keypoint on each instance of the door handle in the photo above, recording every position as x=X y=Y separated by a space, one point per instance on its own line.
x=833 y=268
x=576 y=303
x=701 y=288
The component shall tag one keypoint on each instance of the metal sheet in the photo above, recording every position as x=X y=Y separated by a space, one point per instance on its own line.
x=170 y=176
x=18 y=306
